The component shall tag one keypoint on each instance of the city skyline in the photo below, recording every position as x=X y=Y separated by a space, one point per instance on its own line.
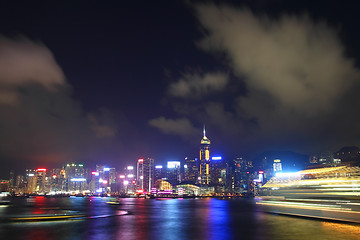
x=115 y=82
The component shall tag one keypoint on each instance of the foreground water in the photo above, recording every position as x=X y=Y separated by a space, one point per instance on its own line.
x=162 y=219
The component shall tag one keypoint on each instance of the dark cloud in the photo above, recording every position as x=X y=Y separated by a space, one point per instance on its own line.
x=181 y=126
x=103 y=124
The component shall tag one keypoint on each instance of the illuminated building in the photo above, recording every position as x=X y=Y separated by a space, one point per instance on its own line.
x=238 y=173
x=277 y=166
x=188 y=189
x=145 y=174
x=140 y=173
x=173 y=174
x=40 y=179
x=216 y=167
x=162 y=185
x=348 y=155
x=112 y=187
x=12 y=180
x=75 y=175
x=30 y=181
x=20 y=184
x=94 y=182
x=128 y=180
x=56 y=180
x=4 y=185
x=106 y=179
x=159 y=172
x=204 y=161
x=190 y=170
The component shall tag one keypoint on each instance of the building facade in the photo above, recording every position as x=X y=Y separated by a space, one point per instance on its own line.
x=204 y=161
x=145 y=174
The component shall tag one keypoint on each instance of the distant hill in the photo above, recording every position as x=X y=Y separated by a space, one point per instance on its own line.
x=348 y=154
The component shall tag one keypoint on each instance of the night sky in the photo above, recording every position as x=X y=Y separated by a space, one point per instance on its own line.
x=109 y=82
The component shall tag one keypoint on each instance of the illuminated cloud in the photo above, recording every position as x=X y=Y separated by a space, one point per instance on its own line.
x=197 y=85
x=298 y=63
x=292 y=79
x=24 y=62
x=41 y=122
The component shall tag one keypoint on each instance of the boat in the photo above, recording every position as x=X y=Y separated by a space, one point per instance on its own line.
x=331 y=193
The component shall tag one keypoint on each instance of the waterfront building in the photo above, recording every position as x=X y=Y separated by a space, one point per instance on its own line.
x=128 y=180
x=216 y=166
x=75 y=180
x=12 y=180
x=159 y=172
x=277 y=166
x=56 y=180
x=20 y=184
x=204 y=160
x=188 y=189
x=162 y=185
x=104 y=178
x=190 y=170
x=40 y=181
x=30 y=181
x=112 y=187
x=238 y=175
x=145 y=174
x=173 y=174
x=4 y=185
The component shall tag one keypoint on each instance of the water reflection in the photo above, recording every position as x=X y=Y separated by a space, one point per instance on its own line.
x=349 y=230
x=218 y=220
x=166 y=219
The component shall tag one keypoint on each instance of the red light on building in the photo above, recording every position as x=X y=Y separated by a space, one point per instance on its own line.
x=141 y=160
x=134 y=181
x=41 y=170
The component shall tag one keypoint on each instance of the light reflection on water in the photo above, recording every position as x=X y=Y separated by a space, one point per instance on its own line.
x=167 y=219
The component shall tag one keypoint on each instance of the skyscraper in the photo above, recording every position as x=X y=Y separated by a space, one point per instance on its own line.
x=145 y=173
x=190 y=170
x=173 y=174
x=238 y=170
x=74 y=174
x=159 y=172
x=204 y=161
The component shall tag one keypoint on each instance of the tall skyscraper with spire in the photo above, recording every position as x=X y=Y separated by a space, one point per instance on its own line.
x=204 y=161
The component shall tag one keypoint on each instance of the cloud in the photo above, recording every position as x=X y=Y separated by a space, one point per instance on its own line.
x=297 y=63
x=198 y=85
x=227 y=121
x=40 y=121
x=24 y=62
x=102 y=124
x=296 y=74
x=181 y=126
x=293 y=86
